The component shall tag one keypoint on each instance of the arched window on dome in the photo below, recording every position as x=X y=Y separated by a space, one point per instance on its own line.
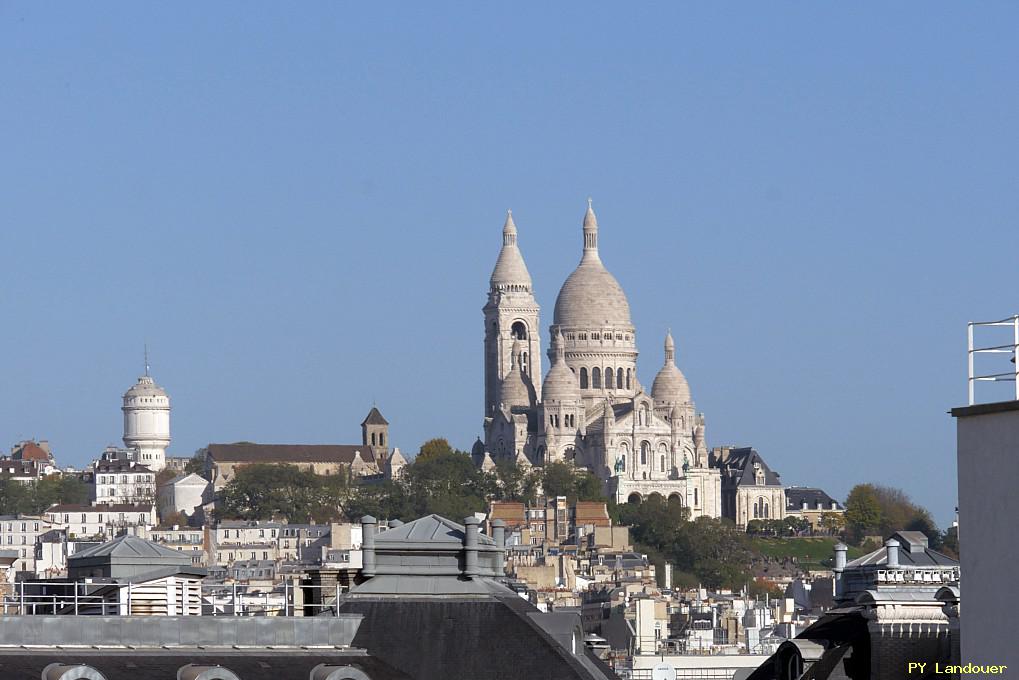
x=518 y=331
x=619 y=378
x=628 y=373
x=583 y=378
x=596 y=378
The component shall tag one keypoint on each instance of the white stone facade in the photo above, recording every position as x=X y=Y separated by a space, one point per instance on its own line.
x=121 y=481
x=184 y=494
x=591 y=409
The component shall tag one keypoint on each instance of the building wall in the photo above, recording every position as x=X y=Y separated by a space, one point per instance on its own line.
x=988 y=507
x=748 y=496
x=21 y=534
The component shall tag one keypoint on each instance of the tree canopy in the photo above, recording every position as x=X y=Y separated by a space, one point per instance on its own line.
x=33 y=498
x=873 y=509
x=266 y=492
x=713 y=551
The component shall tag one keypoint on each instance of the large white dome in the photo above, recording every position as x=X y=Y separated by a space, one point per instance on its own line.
x=591 y=297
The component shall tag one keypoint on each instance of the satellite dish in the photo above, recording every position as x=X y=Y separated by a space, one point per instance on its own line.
x=663 y=671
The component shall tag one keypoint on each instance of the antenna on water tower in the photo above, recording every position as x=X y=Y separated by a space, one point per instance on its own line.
x=146 y=359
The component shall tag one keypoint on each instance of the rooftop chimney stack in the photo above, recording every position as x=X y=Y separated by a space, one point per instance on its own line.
x=471 y=546
x=892 y=547
x=368 y=524
x=840 y=566
x=840 y=557
x=499 y=535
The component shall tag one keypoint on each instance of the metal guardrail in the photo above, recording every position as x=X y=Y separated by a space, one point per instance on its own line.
x=1008 y=348
x=81 y=598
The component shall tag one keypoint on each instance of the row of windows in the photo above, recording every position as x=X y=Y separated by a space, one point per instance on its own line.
x=569 y=419
x=142 y=517
x=596 y=335
x=124 y=479
x=24 y=526
x=381 y=439
x=613 y=380
x=140 y=491
x=761 y=509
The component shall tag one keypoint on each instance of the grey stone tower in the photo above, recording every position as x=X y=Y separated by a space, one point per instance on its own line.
x=511 y=317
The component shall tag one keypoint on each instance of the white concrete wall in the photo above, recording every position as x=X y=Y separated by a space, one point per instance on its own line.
x=988 y=457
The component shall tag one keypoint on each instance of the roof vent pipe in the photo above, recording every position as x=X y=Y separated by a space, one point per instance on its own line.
x=840 y=557
x=499 y=535
x=471 y=546
x=368 y=524
x=892 y=547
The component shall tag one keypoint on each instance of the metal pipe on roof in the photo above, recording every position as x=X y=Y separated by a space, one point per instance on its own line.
x=368 y=524
x=471 y=546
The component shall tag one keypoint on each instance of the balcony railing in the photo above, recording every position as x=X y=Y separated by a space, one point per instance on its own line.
x=48 y=598
x=1012 y=349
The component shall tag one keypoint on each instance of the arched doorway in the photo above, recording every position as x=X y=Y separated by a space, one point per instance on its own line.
x=634 y=498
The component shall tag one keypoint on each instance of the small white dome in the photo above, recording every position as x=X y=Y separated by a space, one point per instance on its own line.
x=560 y=381
x=514 y=391
x=670 y=384
x=510 y=272
x=145 y=387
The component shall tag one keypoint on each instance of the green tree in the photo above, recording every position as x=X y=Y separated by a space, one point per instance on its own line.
x=15 y=497
x=950 y=542
x=268 y=492
x=196 y=465
x=513 y=483
x=447 y=483
x=563 y=479
x=863 y=512
x=557 y=479
x=588 y=487
x=832 y=522
x=434 y=448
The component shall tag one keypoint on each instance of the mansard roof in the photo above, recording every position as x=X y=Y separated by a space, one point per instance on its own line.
x=816 y=499
x=741 y=462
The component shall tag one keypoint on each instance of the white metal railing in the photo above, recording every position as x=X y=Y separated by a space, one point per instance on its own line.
x=1008 y=348
x=229 y=599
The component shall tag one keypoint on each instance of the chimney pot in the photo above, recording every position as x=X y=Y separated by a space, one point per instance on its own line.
x=892 y=548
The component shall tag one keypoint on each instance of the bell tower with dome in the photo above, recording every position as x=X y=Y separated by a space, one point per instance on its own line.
x=511 y=318
x=147 y=421
x=591 y=410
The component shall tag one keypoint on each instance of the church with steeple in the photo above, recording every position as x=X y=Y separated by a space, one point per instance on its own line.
x=590 y=409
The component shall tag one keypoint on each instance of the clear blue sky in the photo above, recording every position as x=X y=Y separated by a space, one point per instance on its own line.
x=298 y=207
